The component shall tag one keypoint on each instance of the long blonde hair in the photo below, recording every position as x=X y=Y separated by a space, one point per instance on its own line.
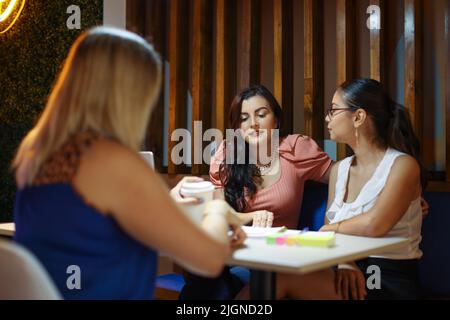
x=109 y=83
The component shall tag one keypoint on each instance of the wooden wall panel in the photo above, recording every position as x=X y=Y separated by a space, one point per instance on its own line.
x=225 y=60
x=249 y=44
x=215 y=46
x=155 y=27
x=377 y=45
x=201 y=76
x=148 y=18
x=313 y=70
x=344 y=50
x=283 y=60
x=413 y=66
x=178 y=60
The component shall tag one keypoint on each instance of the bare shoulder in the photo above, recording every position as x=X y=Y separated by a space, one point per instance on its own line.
x=107 y=155
x=405 y=165
x=107 y=170
x=405 y=172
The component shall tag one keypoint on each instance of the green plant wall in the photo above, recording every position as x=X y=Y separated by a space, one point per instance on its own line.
x=31 y=54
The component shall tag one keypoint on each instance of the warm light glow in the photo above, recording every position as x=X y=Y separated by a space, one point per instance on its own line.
x=6 y=13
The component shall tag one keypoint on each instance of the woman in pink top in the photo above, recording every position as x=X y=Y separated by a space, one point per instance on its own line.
x=268 y=181
x=266 y=188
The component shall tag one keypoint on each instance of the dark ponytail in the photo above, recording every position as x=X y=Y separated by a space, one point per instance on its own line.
x=240 y=180
x=391 y=120
x=401 y=136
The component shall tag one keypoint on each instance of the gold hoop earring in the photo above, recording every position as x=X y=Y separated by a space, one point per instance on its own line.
x=357 y=137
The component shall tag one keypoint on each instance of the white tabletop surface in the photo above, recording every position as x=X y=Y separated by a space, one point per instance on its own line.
x=7 y=229
x=256 y=254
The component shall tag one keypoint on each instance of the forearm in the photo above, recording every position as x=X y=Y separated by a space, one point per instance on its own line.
x=245 y=217
x=361 y=225
x=216 y=226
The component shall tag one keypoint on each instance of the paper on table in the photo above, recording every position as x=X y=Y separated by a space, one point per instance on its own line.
x=257 y=232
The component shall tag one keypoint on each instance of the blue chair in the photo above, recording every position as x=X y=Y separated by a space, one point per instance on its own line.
x=434 y=266
x=312 y=214
x=168 y=286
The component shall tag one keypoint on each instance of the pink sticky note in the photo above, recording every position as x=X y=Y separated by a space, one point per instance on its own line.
x=281 y=240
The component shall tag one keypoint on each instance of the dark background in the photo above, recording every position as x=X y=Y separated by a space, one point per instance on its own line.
x=31 y=54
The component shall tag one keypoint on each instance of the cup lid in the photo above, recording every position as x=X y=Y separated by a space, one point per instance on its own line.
x=196 y=187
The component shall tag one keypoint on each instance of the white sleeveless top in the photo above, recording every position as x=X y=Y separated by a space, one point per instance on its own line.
x=409 y=225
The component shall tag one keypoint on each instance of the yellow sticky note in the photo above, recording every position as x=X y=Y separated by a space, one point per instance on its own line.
x=316 y=239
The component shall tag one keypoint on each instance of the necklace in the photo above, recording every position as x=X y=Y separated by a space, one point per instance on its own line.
x=265 y=167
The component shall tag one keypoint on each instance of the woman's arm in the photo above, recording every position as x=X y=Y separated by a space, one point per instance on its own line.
x=402 y=187
x=119 y=183
x=332 y=174
x=259 y=218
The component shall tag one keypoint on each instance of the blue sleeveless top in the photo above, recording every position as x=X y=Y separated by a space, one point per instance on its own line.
x=75 y=242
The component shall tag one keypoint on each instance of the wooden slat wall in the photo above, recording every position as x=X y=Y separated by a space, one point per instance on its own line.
x=283 y=76
x=225 y=61
x=158 y=22
x=135 y=17
x=313 y=70
x=249 y=43
x=413 y=66
x=201 y=77
x=148 y=18
x=344 y=50
x=178 y=60
x=376 y=45
x=225 y=56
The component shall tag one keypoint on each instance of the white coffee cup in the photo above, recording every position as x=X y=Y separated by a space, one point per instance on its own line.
x=202 y=190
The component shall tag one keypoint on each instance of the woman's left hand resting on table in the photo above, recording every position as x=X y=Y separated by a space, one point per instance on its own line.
x=259 y=218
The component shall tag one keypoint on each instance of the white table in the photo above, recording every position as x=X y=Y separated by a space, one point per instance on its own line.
x=7 y=229
x=265 y=260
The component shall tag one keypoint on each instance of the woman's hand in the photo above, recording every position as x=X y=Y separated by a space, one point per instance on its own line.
x=238 y=237
x=425 y=207
x=350 y=283
x=177 y=197
x=260 y=218
x=221 y=207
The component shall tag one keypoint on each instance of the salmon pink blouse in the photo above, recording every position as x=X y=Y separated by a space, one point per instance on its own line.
x=301 y=159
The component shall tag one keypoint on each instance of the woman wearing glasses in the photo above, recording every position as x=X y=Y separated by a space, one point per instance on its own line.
x=377 y=191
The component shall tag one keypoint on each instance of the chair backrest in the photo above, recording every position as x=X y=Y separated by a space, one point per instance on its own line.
x=22 y=276
x=314 y=205
x=434 y=267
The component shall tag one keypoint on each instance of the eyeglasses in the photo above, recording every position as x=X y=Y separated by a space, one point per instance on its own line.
x=331 y=110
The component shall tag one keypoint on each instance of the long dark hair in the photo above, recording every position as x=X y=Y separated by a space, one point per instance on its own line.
x=240 y=180
x=391 y=120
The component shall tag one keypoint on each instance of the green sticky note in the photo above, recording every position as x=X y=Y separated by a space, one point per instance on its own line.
x=271 y=239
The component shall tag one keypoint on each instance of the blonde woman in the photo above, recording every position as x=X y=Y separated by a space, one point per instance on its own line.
x=87 y=205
